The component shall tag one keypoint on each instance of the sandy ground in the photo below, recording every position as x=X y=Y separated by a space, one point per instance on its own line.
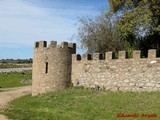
x=2 y=117
x=9 y=94
x=14 y=69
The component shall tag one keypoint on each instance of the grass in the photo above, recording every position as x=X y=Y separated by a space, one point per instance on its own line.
x=13 y=79
x=83 y=104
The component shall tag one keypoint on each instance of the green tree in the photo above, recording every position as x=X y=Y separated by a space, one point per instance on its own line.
x=100 y=34
x=140 y=18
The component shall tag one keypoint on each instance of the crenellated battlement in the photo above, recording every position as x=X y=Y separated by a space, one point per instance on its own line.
x=102 y=71
x=57 y=66
x=51 y=66
x=41 y=45
x=109 y=55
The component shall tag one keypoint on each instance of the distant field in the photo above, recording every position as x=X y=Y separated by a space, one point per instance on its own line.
x=14 y=65
x=83 y=104
x=16 y=60
x=13 y=79
x=17 y=63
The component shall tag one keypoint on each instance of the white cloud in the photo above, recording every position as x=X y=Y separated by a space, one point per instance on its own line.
x=18 y=7
x=23 y=23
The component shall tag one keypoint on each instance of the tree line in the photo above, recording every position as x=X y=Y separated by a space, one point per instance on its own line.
x=16 y=61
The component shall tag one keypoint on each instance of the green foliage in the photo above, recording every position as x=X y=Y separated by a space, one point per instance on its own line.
x=141 y=17
x=138 y=18
x=100 y=34
x=83 y=104
x=137 y=22
x=13 y=79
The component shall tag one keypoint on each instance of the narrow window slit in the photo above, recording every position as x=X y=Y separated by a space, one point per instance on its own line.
x=46 y=67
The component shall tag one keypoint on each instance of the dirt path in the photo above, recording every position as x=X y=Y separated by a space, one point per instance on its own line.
x=9 y=94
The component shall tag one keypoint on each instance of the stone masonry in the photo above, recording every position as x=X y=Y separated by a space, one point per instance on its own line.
x=51 y=66
x=55 y=67
x=103 y=72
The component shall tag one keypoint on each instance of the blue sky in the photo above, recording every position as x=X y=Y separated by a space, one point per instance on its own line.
x=22 y=22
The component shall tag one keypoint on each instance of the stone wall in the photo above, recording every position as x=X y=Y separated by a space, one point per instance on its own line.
x=51 y=66
x=54 y=68
x=102 y=72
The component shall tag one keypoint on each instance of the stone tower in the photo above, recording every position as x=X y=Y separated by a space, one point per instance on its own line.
x=51 y=66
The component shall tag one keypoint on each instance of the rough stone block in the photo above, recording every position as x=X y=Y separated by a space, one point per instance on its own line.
x=121 y=54
x=72 y=45
x=98 y=56
x=42 y=44
x=76 y=57
x=108 y=55
x=86 y=57
x=53 y=44
x=36 y=44
x=136 y=54
x=64 y=44
x=152 y=53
